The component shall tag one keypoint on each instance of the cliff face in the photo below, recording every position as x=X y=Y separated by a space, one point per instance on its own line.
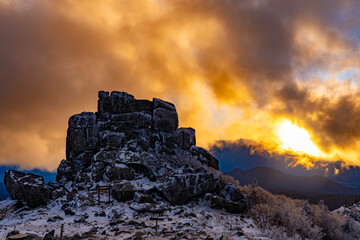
x=136 y=148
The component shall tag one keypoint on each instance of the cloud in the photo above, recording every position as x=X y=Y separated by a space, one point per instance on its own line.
x=246 y=154
x=232 y=68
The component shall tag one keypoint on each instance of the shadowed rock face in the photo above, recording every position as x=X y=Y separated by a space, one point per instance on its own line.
x=28 y=188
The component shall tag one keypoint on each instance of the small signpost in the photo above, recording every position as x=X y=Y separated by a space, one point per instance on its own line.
x=158 y=218
x=102 y=189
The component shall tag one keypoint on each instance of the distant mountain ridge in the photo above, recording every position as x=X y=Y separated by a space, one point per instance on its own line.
x=277 y=181
x=314 y=188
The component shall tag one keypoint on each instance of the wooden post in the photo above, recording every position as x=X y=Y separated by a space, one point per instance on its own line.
x=156 y=227
x=109 y=193
x=61 y=231
x=98 y=190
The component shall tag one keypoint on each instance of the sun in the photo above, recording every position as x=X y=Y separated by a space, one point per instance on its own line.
x=296 y=139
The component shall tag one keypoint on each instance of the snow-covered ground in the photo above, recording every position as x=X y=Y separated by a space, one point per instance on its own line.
x=121 y=221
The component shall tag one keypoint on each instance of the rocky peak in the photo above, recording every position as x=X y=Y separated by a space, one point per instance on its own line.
x=122 y=119
x=136 y=147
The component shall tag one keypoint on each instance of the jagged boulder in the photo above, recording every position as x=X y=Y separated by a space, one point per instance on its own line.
x=98 y=170
x=165 y=117
x=148 y=208
x=121 y=102
x=82 y=134
x=105 y=155
x=218 y=202
x=186 y=137
x=143 y=198
x=83 y=161
x=28 y=188
x=119 y=173
x=205 y=157
x=125 y=121
x=65 y=171
x=179 y=188
x=232 y=193
x=123 y=192
x=111 y=140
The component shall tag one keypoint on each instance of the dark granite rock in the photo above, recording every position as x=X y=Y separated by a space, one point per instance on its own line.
x=218 y=202
x=148 y=207
x=232 y=193
x=123 y=192
x=50 y=236
x=98 y=171
x=119 y=173
x=121 y=102
x=141 y=137
x=68 y=211
x=28 y=188
x=105 y=155
x=125 y=121
x=58 y=193
x=158 y=103
x=111 y=140
x=143 y=198
x=186 y=137
x=181 y=187
x=82 y=134
x=55 y=218
x=113 y=103
x=129 y=138
x=83 y=161
x=205 y=157
x=164 y=120
x=65 y=171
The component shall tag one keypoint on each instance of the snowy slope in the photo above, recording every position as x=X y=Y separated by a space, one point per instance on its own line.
x=120 y=221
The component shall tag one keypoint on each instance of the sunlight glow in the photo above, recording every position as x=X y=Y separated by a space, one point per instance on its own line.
x=296 y=139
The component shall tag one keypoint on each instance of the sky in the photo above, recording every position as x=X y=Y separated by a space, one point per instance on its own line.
x=269 y=71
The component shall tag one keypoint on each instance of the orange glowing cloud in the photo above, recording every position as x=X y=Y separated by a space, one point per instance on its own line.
x=233 y=69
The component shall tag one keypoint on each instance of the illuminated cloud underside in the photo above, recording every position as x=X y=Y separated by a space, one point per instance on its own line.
x=234 y=69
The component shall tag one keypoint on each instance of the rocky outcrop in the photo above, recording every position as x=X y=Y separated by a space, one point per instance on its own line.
x=123 y=192
x=185 y=137
x=165 y=118
x=135 y=147
x=82 y=135
x=125 y=122
x=28 y=188
x=181 y=187
x=222 y=203
x=65 y=171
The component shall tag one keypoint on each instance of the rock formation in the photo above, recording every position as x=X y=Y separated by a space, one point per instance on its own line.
x=29 y=188
x=136 y=147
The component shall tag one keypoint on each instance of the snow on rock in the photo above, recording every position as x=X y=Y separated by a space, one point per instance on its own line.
x=181 y=187
x=128 y=220
x=28 y=188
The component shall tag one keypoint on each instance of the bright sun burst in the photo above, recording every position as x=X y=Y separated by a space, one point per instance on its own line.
x=296 y=139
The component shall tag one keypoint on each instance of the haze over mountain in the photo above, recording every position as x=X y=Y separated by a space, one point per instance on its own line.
x=313 y=188
x=244 y=154
x=277 y=181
